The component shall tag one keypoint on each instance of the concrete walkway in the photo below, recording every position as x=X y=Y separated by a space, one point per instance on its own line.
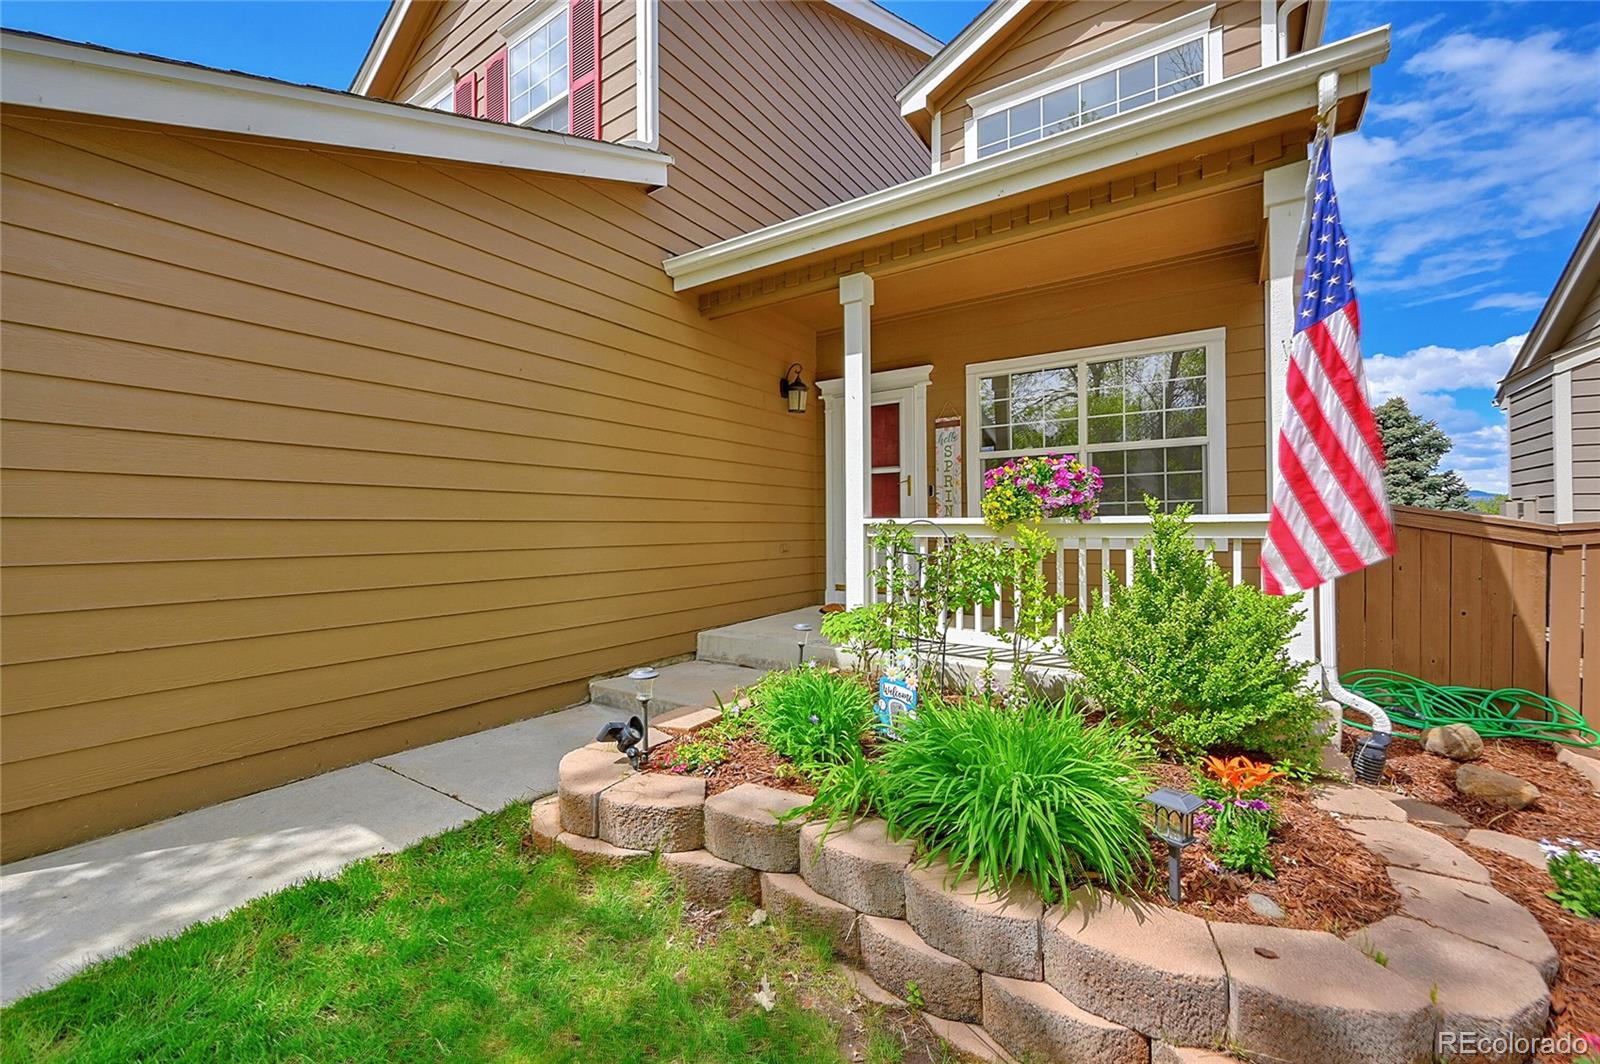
x=62 y=910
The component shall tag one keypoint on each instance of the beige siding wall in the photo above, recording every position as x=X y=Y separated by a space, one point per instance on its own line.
x=619 y=90
x=1587 y=325
x=1064 y=31
x=775 y=109
x=1586 y=442
x=1207 y=294
x=1532 y=452
x=312 y=456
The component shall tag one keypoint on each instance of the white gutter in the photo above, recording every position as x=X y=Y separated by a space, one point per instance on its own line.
x=1246 y=99
x=80 y=79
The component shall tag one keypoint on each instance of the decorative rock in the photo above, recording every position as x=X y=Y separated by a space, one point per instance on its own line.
x=1262 y=905
x=1432 y=815
x=1478 y=912
x=1525 y=850
x=896 y=957
x=742 y=825
x=1493 y=787
x=788 y=897
x=1034 y=1021
x=654 y=811
x=593 y=852
x=1584 y=764
x=1455 y=741
x=690 y=722
x=859 y=867
x=1360 y=802
x=1306 y=995
x=1409 y=846
x=992 y=932
x=710 y=880
x=1477 y=990
x=1151 y=968
x=583 y=775
x=1162 y=1053
x=546 y=821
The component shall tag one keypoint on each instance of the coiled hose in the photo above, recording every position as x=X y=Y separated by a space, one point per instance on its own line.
x=1506 y=713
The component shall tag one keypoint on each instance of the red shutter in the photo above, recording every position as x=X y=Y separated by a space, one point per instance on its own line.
x=583 y=66
x=467 y=95
x=494 y=88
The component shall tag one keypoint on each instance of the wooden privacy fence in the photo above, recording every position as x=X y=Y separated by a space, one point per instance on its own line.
x=1480 y=601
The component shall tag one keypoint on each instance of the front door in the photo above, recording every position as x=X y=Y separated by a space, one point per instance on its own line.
x=899 y=446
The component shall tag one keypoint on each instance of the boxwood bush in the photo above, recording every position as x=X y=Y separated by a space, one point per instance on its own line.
x=1032 y=793
x=1183 y=655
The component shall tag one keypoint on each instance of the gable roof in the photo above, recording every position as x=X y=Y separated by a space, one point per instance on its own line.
x=57 y=75
x=1573 y=289
x=404 y=17
x=992 y=26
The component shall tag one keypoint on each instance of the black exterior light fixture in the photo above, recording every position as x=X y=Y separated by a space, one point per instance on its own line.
x=794 y=389
x=1172 y=821
x=802 y=634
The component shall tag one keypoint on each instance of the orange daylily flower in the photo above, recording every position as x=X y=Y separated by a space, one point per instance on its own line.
x=1240 y=774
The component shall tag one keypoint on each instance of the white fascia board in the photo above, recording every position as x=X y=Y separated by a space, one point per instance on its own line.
x=889 y=24
x=979 y=32
x=59 y=76
x=1246 y=99
x=379 y=47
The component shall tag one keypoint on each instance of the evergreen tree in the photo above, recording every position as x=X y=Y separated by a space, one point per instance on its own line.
x=1414 y=446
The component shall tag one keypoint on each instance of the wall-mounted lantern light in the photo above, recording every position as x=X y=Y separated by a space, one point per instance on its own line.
x=802 y=633
x=1172 y=820
x=794 y=389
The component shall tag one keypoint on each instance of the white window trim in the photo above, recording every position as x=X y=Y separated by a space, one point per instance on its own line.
x=1216 y=439
x=1193 y=26
x=647 y=72
x=515 y=30
x=439 y=89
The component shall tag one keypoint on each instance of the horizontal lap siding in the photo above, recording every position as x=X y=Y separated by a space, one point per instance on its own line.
x=316 y=457
x=1065 y=31
x=1216 y=293
x=1532 y=448
x=1586 y=440
x=618 y=71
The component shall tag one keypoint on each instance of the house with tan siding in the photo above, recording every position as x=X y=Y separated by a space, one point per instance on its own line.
x=1551 y=396
x=338 y=423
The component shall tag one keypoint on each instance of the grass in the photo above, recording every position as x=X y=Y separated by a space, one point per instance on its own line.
x=463 y=947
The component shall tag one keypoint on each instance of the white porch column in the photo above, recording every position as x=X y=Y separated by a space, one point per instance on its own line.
x=1283 y=206
x=855 y=295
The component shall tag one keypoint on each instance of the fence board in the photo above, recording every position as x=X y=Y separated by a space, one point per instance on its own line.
x=1566 y=619
x=1466 y=613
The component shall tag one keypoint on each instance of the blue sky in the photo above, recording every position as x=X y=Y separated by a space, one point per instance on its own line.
x=1464 y=192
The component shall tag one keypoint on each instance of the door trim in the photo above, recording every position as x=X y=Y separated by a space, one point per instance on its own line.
x=909 y=387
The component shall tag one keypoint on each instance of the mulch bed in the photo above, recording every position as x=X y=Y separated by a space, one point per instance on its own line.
x=1327 y=881
x=749 y=761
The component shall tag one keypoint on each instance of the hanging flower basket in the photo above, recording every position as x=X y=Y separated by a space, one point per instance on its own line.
x=1024 y=491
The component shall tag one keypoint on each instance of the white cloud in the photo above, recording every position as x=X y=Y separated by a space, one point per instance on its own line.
x=1510 y=301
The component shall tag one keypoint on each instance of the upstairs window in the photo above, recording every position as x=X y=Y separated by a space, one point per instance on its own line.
x=1134 y=84
x=538 y=74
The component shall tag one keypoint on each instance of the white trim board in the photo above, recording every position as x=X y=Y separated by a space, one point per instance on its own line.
x=59 y=76
x=1261 y=95
x=966 y=44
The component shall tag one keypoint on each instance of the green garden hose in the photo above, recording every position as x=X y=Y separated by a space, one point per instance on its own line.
x=1507 y=713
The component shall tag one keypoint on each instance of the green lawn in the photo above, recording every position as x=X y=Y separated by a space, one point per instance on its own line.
x=463 y=948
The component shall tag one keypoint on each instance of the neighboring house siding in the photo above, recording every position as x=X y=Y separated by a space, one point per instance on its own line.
x=1532 y=454
x=1587 y=325
x=1586 y=442
x=772 y=110
x=314 y=456
x=1065 y=31
x=1205 y=294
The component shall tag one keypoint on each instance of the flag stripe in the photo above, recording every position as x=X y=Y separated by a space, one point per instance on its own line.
x=1316 y=511
x=1351 y=392
x=1335 y=460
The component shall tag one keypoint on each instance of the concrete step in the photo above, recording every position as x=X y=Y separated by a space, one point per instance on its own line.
x=686 y=685
x=767 y=642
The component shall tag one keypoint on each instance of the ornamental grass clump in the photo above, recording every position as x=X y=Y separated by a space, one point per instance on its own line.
x=1032 y=793
x=812 y=716
x=1196 y=662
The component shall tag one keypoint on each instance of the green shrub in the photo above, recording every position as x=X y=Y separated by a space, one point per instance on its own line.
x=1031 y=793
x=1183 y=654
x=812 y=716
x=1240 y=836
x=1576 y=871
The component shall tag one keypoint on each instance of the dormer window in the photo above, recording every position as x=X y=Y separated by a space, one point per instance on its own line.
x=538 y=73
x=1156 y=64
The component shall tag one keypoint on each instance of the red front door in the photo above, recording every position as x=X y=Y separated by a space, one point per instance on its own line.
x=888 y=479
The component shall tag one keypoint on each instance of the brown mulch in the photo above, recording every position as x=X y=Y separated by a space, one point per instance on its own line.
x=1326 y=881
x=749 y=761
x=1568 y=805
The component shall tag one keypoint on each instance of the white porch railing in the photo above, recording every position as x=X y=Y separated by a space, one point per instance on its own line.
x=1089 y=557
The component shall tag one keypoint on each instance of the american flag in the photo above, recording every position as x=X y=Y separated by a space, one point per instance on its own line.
x=1330 y=513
